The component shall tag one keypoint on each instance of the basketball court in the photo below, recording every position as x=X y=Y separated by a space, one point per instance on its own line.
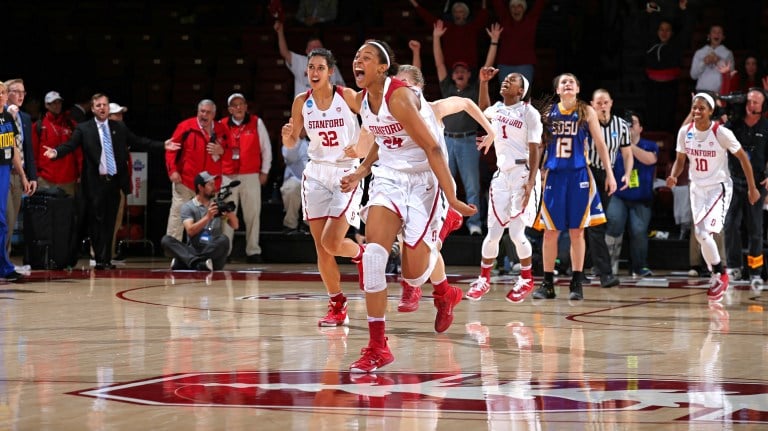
x=141 y=347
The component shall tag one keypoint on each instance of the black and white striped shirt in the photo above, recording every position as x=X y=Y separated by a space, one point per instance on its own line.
x=616 y=135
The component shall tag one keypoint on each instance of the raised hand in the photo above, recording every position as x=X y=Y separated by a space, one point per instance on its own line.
x=439 y=29
x=487 y=73
x=495 y=31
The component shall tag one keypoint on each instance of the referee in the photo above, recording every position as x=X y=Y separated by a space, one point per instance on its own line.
x=616 y=135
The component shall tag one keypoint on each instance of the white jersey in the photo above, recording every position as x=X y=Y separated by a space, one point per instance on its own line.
x=515 y=127
x=706 y=151
x=397 y=150
x=330 y=131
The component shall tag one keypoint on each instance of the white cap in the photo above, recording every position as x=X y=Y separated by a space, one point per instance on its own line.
x=233 y=97
x=114 y=108
x=52 y=96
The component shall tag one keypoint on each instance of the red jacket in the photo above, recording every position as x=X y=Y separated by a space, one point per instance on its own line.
x=50 y=132
x=460 y=41
x=193 y=158
x=243 y=140
x=517 y=43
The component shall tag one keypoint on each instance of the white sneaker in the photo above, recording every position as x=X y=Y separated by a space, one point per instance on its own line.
x=478 y=288
x=756 y=283
x=209 y=264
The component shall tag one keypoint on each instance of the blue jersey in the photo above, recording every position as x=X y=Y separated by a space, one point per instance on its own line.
x=567 y=149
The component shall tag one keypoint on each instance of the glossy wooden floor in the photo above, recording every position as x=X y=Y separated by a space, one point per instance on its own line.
x=141 y=348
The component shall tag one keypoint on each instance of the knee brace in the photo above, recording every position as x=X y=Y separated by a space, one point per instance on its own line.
x=490 y=248
x=433 y=253
x=517 y=235
x=374 y=267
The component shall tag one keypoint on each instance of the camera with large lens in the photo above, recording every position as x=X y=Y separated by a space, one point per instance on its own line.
x=220 y=199
x=734 y=105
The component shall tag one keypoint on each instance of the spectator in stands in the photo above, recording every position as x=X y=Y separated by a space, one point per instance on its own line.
x=313 y=13
x=295 y=161
x=460 y=129
x=201 y=141
x=662 y=65
x=297 y=63
x=207 y=247
x=748 y=74
x=247 y=158
x=517 y=49
x=16 y=94
x=631 y=207
x=707 y=59
x=461 y=40
x=615 y=132
x=751 y=131
x=55 y=128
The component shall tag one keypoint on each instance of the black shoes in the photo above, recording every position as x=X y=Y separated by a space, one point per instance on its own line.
x=102 y=266
x=576 y=291
x=14 y=277
x=609 y=280
x=545 y=291
x=254 y=258
x=204 y=265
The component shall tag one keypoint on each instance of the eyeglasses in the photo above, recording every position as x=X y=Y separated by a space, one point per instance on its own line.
x=18 y=91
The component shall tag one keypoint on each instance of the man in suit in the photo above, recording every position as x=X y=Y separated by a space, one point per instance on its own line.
x=16 y=94
x=105 y=173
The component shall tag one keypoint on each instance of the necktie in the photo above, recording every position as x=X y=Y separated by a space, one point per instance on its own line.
x=109 y=154
x=19 y=137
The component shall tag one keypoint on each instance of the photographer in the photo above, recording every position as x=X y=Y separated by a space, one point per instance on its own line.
x=751 y=130
x=207 y=247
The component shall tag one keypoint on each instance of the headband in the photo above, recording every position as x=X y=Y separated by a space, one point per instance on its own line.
x=706 y=98
x=378 y=45
x=525 y=85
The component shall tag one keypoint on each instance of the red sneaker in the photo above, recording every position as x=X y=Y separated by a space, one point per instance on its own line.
x=445 y=304
x=372 y=358
x=409 y=300
x=478 y=288
x=522 y=288
x=718 y=284
x=359 y=263
x=337 y=314
x=453 y=221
